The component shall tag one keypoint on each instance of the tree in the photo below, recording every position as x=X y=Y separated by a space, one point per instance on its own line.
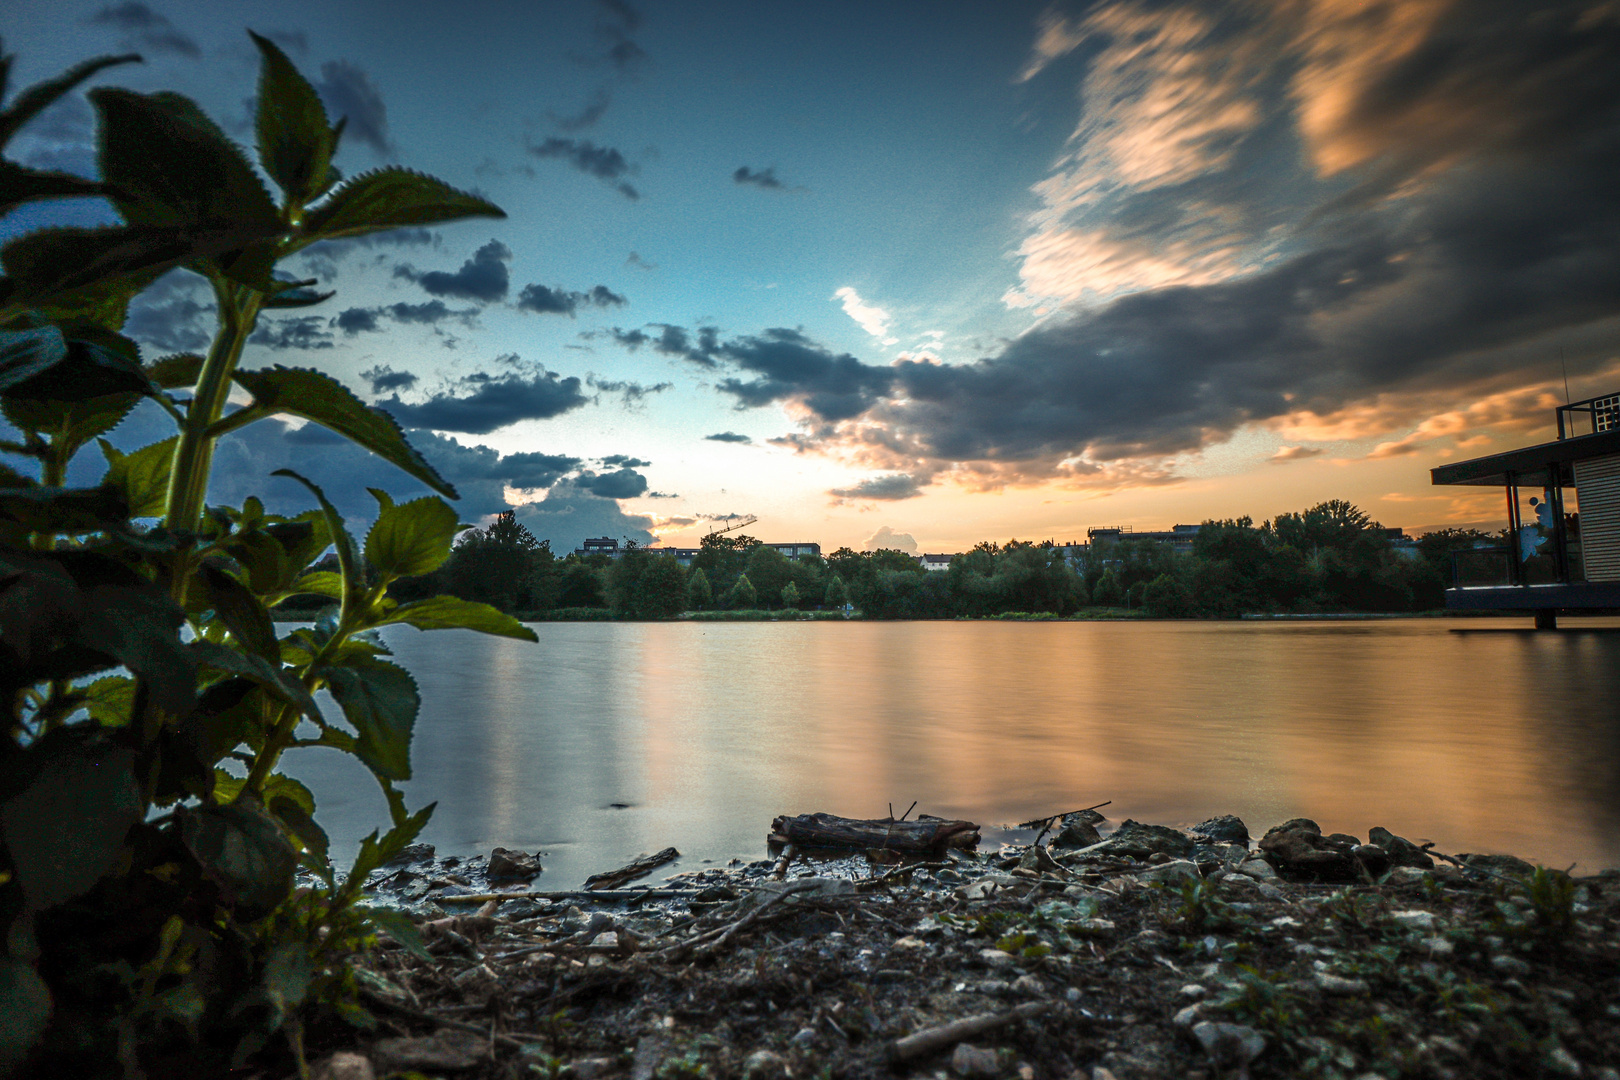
x=768 y=570
x=1168 y=597
x=837 y=592
x=581 y=584
x=790 y=596
x=742 y=596
x=646 y=585
x=1109 y=592
x=698 y=593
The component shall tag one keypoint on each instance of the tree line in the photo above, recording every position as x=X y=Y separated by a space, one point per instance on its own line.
x=1329 y=558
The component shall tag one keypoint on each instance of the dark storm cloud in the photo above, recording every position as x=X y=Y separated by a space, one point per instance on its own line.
x=764 y=178
x=146 y=29
x=492 y=402
x=624 y=461
x=570 y=513
x=729 y=437
x=176 y=314
x=482 y=278
x=603 y=162
x=619 y=484
x=559 y=301
x=305 y=332
x=532 y=471
x=887 y=488
x=355 y=320
x=672 y=341
x=349 y=92
x=787 y=364
x=384 y=378
x=431 y=313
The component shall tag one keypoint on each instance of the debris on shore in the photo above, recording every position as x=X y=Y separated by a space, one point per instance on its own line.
x=1142 y=953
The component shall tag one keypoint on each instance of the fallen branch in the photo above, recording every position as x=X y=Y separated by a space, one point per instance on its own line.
x=831 y=831
x=932 y=1040
x=572 y=894
x=630 y=871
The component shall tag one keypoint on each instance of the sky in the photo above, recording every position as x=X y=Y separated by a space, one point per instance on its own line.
x=916 y=275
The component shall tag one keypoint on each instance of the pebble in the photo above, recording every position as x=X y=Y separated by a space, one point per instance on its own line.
x=1189 y=1016
x=1340 y=986
x=1193 y=991
x=1562 y=1062
x=1030 y=985
x=804 y=1037
x=1229 y=1044
x=344 y=1066
x=765 y=1065
x=1414 y=920
x=970 y=1060
x=996 y=958
x=1439 y=946
x=1509 y=965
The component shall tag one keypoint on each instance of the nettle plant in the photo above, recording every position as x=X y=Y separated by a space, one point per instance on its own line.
x=150 y=845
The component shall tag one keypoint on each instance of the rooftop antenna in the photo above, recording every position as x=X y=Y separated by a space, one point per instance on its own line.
x=1566 y=373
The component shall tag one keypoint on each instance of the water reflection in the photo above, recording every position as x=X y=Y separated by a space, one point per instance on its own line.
x=1478 y=741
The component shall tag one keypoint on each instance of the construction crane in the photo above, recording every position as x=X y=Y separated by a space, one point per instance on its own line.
x=744 y=523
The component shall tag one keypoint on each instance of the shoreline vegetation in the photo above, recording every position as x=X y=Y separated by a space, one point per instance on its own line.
x=1328 y=560
x=1137 y=953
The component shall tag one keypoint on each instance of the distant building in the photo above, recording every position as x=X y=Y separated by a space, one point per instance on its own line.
x=1178 y=538
x=935 y=562
x=610 y=547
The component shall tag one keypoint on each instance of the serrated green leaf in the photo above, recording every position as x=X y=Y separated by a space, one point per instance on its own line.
x=342 y=542
x=177 y=372
x=298 y=817
x=391 y=198
x=64 y=511
x=71 y=800
x=399 y=926
x=169 y=164
x=281 y=682
x=94 y=272
x=237 y=607
x=381 y=701
x=19 y=184
x=295 y=138
x=257 y=552
x=242 y=850
x=321 y=583
x=454 y=613
x=321 y=398
x=25 y=1010
x=37 y=98
x=43 y=363
x=69 y=424
x=110 y=700
x=412 y=538
x=142 y=476
x=374 y=851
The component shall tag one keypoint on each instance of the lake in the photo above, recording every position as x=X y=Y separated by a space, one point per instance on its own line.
x=608 y=740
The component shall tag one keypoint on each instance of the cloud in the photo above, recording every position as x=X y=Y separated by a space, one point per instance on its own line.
x=787 y=364
x=619 y=484
x=602 y=162
x=624 y=461
x=532 y=471
x=175 y=314
x=1285 y=454
x=871 y=318
x=631 y=393
x=587 y=116
x=895 y=486
x=384 y=378
x=887 y=539
x=355 y=320
x=146 y=29
x=482 y=278
x=673 y=341
x=491 y=402
x=349 y=92
x=640 y=263
x=764 y=178
x=304 y=332
x=616 y=22
x=730 y=437
x=431 y=313
x=558 y=301
x=569 y=513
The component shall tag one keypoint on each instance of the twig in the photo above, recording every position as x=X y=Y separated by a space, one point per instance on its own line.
x=753 y=916
x=786 y=860
x=429 y=1018
x=934 y=1039
x=571 y=894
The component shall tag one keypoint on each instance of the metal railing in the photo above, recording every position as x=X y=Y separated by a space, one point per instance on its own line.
x=1601 y=414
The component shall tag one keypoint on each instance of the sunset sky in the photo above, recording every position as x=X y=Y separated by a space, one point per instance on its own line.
x=927 y=273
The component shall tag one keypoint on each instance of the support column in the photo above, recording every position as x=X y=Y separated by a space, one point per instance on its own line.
x=1546 y=618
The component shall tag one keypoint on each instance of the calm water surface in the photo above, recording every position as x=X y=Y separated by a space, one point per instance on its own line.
x=1477 y=740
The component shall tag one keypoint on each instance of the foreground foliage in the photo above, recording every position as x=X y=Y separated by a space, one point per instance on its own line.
x=150 y=840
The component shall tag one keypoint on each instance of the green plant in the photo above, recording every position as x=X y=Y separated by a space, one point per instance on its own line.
x=150 y=842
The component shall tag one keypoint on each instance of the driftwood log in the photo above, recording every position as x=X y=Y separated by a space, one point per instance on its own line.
x=883 y=834
x=630 y=871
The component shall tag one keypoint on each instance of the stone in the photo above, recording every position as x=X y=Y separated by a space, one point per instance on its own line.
x=344 y=1065
x=450 y=1050
x=1402 y=852
x=413 y=853
x=1414 y=920
x=1561 y=1062
x=995 y=958
x=1510 y=965
x=1188 y=1016
x=1229 y=1045
x=1300 y=852
x=1339 y=986
x=1258 y=869
x=1506 y=865
x=765 y=1065
x=1077 y=832
x=970 y=1060
x=1408 y=875
x=1139 y=841
x=908 y=942
x=590 y=1068
x=1173 y=873
x=1342 y=840
x=1193 y=992
x=1226 y=829
x=1030 y=985
x=506 y=865
x=1373 y=857
x=804 y=1037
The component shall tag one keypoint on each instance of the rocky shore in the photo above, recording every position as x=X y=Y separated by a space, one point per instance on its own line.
x=1126 y=953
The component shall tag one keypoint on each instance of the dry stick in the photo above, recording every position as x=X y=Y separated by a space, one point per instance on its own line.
x=572 y=894
x=428 y=1018
x=782 y=865
x=752 y=916
x=934 y=1039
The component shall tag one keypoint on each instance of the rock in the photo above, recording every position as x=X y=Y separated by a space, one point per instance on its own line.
x=1373 y=857
x=988 y=885
x=1172 y=873
x=1193 y=992
x=590 y=1068
x=1561 y=1062
x=1339 y=986
x=1342 y=840
x=1402 y=852
x=1139 y=841
x=1219 y=855
x=413 y=853
x=765 y=1065
x=1414 y=920
x=970 y=1060
x=1187 y=1017
x=1030 y=985
x=908 y=942
x=1408 y=875
x=1076 y=832
x=344 y=1065
x=1226 y=829
x=450 y=1050
x=804 y=1037
x=1505 y=865
x=1510 y=965
x=1258 y=869
x=1229 y=1045
x=1300 y=852
x=506 y=865
x=994 y=958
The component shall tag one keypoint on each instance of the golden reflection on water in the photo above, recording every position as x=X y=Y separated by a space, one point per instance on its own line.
x=1479 y=741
